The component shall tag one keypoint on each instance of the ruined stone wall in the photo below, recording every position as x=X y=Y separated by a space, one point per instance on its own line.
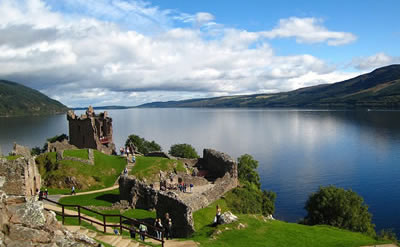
x=90 y=161
x=19 y=177
x=218 y=163
x=180 y=213
x=138 y=194
x=81 y=133
x=59 y=146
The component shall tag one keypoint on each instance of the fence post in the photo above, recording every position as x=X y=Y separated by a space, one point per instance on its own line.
x=104 y=222
x=120 y=224
x=63 y=221
x=162 y=238
x=79 y=214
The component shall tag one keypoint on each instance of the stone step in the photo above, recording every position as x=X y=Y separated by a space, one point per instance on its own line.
x=106 y=238
x=73 y=228
x=83 y=231
x=92 y=234
x=133 y=244
x=117 y=239
x=123 y=243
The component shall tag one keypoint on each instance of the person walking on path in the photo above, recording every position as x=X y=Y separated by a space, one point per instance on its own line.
x=217 y=216
x=168 y=226
x=143 y=231
x=73 y=190
x=159 y=225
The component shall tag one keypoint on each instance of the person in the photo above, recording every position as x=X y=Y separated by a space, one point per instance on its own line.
x=132 y=231
x=116 y=231
x=159 y=225
x=133 y=159
x=121 y=150
x=46 y=193
x=73 y=190
x=40 y=195
x=191 y=188
x=143 y=231
x=168 y=226
x=125 y=171
x=217 y=216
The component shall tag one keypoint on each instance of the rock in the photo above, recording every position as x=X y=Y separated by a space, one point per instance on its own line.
x=241 y=226
x=228 y=217
x=21 y=233
x=269 y=217
x=29 y=214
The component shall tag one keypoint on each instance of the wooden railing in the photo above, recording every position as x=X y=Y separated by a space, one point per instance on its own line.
x=104 y=224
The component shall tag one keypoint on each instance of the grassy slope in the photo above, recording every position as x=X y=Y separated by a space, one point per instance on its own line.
x=18 y=100
x=271 y=233
x=77 y=153
x=103 y=174
x=149 y=167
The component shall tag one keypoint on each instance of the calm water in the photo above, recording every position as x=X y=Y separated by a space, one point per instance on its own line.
x=297 y=150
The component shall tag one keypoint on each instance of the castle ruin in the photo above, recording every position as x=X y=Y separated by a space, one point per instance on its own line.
x=91 y=131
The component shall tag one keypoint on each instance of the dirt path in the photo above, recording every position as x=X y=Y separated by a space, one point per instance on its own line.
x=93 y=191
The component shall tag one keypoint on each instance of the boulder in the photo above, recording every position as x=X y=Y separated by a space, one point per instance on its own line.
x=227 y=218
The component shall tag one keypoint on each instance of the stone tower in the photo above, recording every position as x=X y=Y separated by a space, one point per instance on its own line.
x=91 y=131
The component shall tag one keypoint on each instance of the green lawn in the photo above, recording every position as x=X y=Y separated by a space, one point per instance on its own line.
x=77 y=153
x=271 y=233
x=102 y=174
x=149 y=167
x=12 y=157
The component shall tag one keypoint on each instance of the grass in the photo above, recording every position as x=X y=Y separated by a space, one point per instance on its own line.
x=101 y=175
x=271 y=233
x=12 y=157
x=149 y=167
x=77 y=153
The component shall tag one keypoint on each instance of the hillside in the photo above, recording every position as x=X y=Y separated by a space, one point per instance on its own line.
x=18 y=100
x=377 y=89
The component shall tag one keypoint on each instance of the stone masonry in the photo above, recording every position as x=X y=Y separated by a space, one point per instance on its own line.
x=91 y=131
x=221 y=171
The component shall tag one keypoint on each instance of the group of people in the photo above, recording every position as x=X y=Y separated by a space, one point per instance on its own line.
x=183 y=187
x=126 y=151
x=42 y=194
x=159 y=225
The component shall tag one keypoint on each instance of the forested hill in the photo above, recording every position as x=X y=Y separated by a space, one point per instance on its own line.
x=18 y=100
x=377 y=89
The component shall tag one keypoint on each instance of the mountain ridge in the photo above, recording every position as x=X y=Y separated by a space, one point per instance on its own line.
x=377 y=89
x=19 y=100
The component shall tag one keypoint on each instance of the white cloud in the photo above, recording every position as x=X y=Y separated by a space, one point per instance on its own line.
x=86 y=58
x=308 y=30
x=374 y=61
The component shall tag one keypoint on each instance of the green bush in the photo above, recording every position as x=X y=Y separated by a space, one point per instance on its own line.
x=340 y=208
x=36 y=151
x=247 y=170
x=142 y=145
x=183 y=151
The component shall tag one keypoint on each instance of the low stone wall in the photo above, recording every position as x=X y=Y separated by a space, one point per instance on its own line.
x=161 y=155
x=90 y=161
x=59 y=146
x=137 y=193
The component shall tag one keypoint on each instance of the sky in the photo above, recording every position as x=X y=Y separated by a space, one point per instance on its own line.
x=130 y=52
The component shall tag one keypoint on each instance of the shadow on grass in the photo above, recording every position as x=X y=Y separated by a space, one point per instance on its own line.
x=111 y=198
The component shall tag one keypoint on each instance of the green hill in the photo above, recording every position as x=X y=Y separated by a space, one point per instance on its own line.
x=18 y=100
x=378 y=89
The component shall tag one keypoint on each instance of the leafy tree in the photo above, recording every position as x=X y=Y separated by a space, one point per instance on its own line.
x=142 y=145
x=247 y=170
x=183 y=151
x=340 y=208
x=249 y=198
x=36 y=151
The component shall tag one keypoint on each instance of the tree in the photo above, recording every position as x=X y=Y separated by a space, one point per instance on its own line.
x=142 y=145
x=340 y=208
x=247 y=170
x=183 y=151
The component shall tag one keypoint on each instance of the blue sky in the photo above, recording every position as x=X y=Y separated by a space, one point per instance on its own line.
x=129 y=52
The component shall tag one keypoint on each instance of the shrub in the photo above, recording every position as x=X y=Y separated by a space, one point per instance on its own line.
x=247 y=170
x=36 y=151
x=142 y=145
x=340 y=208
x=183 y=151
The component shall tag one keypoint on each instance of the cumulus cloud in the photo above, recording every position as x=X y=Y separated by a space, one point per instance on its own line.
x=85 y=58
x=374 y=61
x=308 y=30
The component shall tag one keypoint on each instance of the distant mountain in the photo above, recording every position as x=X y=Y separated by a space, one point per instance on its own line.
x=108 y=107
x=18 y=100
x=378 y=89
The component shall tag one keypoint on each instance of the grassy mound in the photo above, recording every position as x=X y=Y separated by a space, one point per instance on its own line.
x=260 y=232
x=77 y=153
x=59 y=176
x=149 y=167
